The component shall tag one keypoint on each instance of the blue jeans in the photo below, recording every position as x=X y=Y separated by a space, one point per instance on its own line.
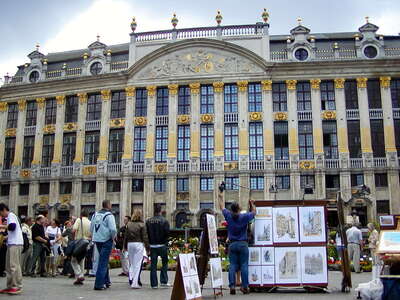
x=154 y=254
x=102 y=274
x=239 y=261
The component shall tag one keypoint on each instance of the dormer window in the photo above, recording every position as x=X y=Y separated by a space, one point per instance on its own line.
x=34 y=76
x=301 y=54
x=96 y=68
x=370 y=51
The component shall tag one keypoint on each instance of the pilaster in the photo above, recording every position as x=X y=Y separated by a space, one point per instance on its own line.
x=58 y=137
x=194 y=193
x=126 y=198
x=268 y=124
x=37 y=154
x=19 y=143
x=76 y=196
x=317 y=123
x=54 y=196
x=151 y=121
x=243 y=125
x=104 y=131
x=369 y=180
x=365 y=129
x=33 y=196
x=171 y=197
x=218 y=178
x=172 y=128
x=393 y=189
x=3 y=124
x=148 y=197
x=101 y=191
x=244 y=193
x=80 y=133
x=219 y=125
x=13 y=197
x=128 y=138
x=194 y=126
x=345 y=185
x=341 y=123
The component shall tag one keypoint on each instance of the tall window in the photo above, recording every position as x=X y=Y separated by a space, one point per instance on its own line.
x=279 y=96
x=381 y=180
x=282 y=182
x=137 y=185
x=162 y=101
x=31 y=111
x=93 y=107
x=9 y=152
x=256 y=141
x=257 y=182
x=330 y=139
x=332 y=181
x=184 y=100
x=183 y=142
x=71 y=109
x=231 y=142
x=281 y=140
x=374 y=93
x=68 y=151
x=327 y=89
x=206 y=142
x=51 y=111
x=182 y=185
x=89 y=187
x=141 y=103
x=306 y=140
x=354 y=138
x=254 y=95
x=118 y=102
x=230 y=98
x=206 y=99
x=65 y=188
x=232 y=183
x=92 y=141
x=377 y=138
x=357 y=179
x=47 y=150
x=160 y=185
x=116 y=145
x=113 y=186
x=27 y=156
x=395 y=91
x=12 y=117
x=303 y=96
x=206 y=184
x=307 y=181
x=397 y=134
x=139 y=147
x=161 y=143
x=351 y=94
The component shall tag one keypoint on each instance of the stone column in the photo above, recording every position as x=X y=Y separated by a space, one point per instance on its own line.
x=101 y=191
x=3 y=125
x=80 y=134
x=244 y=193
x=341 y=123
x=76 y=200
x=194 y=194
x=269 y=146
x=33 y=196
x=195 y=133
x=172 y=128
x=394 y=188
x=58 y=137
x=219 y=147
x=126 y=198
x=243 y=127
x=369 y=180
x=148 y=197
x=128 y=138
x=151 y=123
x=104 y=131
x=54 y=196
x=170 y=204
x=218 y=178
x=37 y=154
x=345 y=184
x=14 y=194
x=19 y=142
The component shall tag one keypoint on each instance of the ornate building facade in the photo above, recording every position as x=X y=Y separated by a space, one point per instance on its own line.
x=168 y=116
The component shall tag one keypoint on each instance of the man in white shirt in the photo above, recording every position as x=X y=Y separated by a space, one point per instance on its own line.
x=15 y=243
x=354 y=241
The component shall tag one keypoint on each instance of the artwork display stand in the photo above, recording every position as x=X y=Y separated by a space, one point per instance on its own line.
x=178 y=290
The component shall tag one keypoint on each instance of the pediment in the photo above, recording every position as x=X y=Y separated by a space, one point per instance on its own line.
x=300 y=30
x=35 y=54
x=97 y=45
x=368 y=27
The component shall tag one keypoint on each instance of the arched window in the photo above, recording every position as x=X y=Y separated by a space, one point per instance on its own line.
x=181 y=219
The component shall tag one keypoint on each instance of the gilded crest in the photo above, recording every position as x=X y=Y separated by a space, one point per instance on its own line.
x=231 y=166
x=50 y=128
x=291 y=84
x=160 y=168
x=306 y=165
x=70 y=127
x=130 y=91
x=194 y=88
x=140 y=121
x=25 y=173
x=362 y=82
x=329 y=115
x=280 y=116
x=183 y=119
x=117 y=123
x=242 y=85
x=89 y=170
x=11 y=132
x=207 y=118
x=218 y=87
x=315 y=83
x=266 y=85
x=255 y=116
x=385 y=82
x=339 y=83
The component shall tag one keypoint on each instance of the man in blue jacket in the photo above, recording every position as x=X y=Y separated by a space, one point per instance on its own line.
x=103 y=231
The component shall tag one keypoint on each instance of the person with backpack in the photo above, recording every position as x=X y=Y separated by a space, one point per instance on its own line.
x=27 y=250
x=103 y=231
x=15 y=243
x=119 y=244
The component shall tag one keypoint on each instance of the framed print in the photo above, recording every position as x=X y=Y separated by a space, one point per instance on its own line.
x=254 y=256
x=267 y=256
x=192 y=287
x=254 y=274
x=314 y=265
x=263 y=232
x=216 y=272
x=389 y=242
x=264 y=212
x=312 y=224
x=212 y=234
x=285 y=225
x=184 y=263
x=287 y=265
x=267 y=275
x=387 y=221
x=192 y=264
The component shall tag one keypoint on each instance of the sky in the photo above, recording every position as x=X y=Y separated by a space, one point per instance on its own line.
x=60 y=25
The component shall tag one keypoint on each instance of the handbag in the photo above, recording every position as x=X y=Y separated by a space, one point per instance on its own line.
x=81 y=245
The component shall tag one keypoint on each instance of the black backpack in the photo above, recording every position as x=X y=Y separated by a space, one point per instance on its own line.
x=26 y=242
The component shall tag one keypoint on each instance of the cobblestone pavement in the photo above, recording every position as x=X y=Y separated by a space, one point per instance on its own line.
x=61 y=288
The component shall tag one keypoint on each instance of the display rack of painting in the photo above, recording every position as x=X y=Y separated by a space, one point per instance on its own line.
x=190 y=276
x=289 y=246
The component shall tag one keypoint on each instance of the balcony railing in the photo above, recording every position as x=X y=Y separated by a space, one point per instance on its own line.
x=332 y=163
x=182 y=167
x=376 y=113
x=73 y=72
x=53 y=74
x=162 y=120
x=304 y=115
x=30 y=130
x=138 y=168
x=282 y=164
x=396 y=113
x=279 y=55
x=119 y=65
x=392 y=51
x=114 y=168
x=231 y=117
x=67 y=170
x=206 y=166
x=380 y=162
x=256 y=165
x=93 y=125
x=45 y=172
x=352 y=114
x=356 y=163
x=6 y=173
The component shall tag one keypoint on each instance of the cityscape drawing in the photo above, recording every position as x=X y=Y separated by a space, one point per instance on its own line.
x=312 y=228
x=285 y=224
x=314 y=265
x=288 y=268
x=254 y=256
x=263 y=232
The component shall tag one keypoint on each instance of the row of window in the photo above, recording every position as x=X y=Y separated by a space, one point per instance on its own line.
x=282 y=182
x=279 y=98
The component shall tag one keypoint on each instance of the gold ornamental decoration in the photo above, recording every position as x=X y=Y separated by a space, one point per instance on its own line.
x=140 y=121
x=194 y=88
x=266 y=85
x=117 y=123
x=183 y=119
x=385 y=82
x=89 y=170
x=82 y=98
x=3 y=106
x=242 y=85
x=60 y=99
x=25 y=173
x=65 y=199
x=21 y=105
x=339 y=83
x=362 y=82
x=160 y=168
x=291 y=84
x=51 y=128
x=182 y=196
x=255 y=116
x=11 y=132
x=151 y=90
x=40 y=102
x=329 y=115
x=218 y=87
x=315 y=83
x=130 y=91
x=43 y=200
x=173 y=89
x=280 y=116
x=105 y=95
x=231 y=166
x=307 y=165
x=207 y=118
x=70 y=127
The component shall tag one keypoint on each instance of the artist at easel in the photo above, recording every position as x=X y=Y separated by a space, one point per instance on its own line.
x=238 y=240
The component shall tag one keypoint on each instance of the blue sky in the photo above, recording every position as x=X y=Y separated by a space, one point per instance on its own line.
x=59 y=25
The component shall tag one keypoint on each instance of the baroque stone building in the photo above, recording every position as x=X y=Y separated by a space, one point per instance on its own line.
x=168 y=116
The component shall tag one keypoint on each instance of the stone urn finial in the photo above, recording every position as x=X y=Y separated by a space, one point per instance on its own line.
x=265 y=15
x=133 y=24
x=174 y=20
x=218 y=17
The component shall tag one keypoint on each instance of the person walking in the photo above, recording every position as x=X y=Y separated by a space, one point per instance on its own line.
x=103 y=230
x=27 y=254
x=158 y=232
x=53 y=234
x=373 y=240
x=238 y=242
x=39 y=247
x=15 y=243
x=68 y=237
x=119 y=244
x=135 y=242
x=81 y=230
x=354 y=241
